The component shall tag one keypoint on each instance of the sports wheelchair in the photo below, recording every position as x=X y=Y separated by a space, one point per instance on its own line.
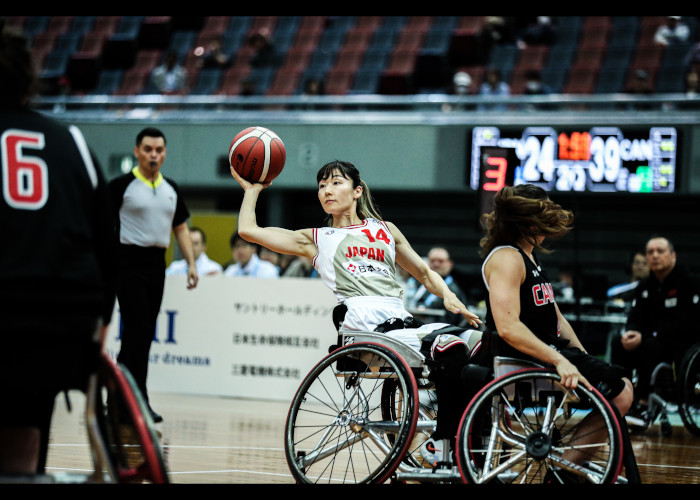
x=675 y=389
x=123 y=441
x=124 y=446
x=363 y=411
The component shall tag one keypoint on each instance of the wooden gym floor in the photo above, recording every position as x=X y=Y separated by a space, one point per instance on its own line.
x=212 y=440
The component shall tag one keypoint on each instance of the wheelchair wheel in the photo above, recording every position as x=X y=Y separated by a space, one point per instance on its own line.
x=525 y=428
x=336 y=431
x=689 y=403
x=392 y=399
x=124 y=443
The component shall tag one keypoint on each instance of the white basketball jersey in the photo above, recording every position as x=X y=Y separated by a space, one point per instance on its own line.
x=357 y=261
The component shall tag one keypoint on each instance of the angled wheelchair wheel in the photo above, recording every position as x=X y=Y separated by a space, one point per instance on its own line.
x=337 y=431
x=125 y=446
x=689 y=379
x=525 y=428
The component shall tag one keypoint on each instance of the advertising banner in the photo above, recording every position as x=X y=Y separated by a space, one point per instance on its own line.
x=240 y=337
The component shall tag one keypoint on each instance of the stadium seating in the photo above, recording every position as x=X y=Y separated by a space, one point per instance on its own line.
x=351 y=54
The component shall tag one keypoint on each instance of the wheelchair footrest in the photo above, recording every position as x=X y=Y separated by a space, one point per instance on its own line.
x=430 y=475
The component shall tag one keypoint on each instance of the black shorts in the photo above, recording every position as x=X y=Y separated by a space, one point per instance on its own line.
x=602 y=375
x=41 y=361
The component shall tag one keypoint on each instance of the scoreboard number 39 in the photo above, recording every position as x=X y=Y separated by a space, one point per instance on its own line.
x=601 y=159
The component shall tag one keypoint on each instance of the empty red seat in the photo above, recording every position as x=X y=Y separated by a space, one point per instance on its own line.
x=338 y=81
x=216 y=25
x=532 y=57
x=581 y=81
x=134 y=82
x=59 y=24
x=471 y=23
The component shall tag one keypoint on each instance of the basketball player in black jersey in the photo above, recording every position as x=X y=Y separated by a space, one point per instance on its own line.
x=521 y=306
x=56 y=280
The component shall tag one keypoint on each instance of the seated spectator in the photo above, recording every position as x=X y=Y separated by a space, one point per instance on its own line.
x=270 y=256
x=264 y=53
x=493 y=85
x=214 y=56
x=672 y=32
x=497 y=30
x=300 y=267
x=170 y=77
x=314 y=86
x=439 y=261
x=247 y=87
x=534 y=84
x=639 y=269
x=461 y=85
x=540 y=31
x=564 y=287
x=205 y=266
x=247 y=261
x=692 y=58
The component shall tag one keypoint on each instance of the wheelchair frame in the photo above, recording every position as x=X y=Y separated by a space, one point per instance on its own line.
x=327 y=451
x=686 y=394
x=124 y=446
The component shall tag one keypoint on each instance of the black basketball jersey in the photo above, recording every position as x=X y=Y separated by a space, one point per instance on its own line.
x=537 y=307
x=58 y=247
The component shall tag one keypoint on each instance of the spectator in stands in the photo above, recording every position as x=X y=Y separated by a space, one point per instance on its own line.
x=205 y=266
x=494 y=85
x=247 y=87
x=461 y=85
x=497 y=30
x=534 y=84
x=639 y=269
x=170 y=77
x=539 y=31
x=692 y=58
x=564 y=288
x=270 y=256
x=300 y=267
x=214 y=56
x=247 y=261
x=672 y=32
x=314 y=86
x=663 y=321
x=264 y=53
x=439 y=261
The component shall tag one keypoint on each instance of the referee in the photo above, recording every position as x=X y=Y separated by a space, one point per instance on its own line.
x=147 y=206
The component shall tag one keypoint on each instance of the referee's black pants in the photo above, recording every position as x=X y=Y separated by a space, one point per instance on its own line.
x=140 y=294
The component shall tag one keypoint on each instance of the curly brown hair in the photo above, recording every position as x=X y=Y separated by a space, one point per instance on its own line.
x=521 y=213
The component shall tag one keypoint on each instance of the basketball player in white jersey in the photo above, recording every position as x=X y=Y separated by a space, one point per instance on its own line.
x=355 y=254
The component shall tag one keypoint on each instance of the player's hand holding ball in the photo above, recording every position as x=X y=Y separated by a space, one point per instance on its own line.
x=256 y=156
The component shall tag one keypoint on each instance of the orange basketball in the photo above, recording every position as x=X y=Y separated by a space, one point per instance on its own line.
x=257 y=154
